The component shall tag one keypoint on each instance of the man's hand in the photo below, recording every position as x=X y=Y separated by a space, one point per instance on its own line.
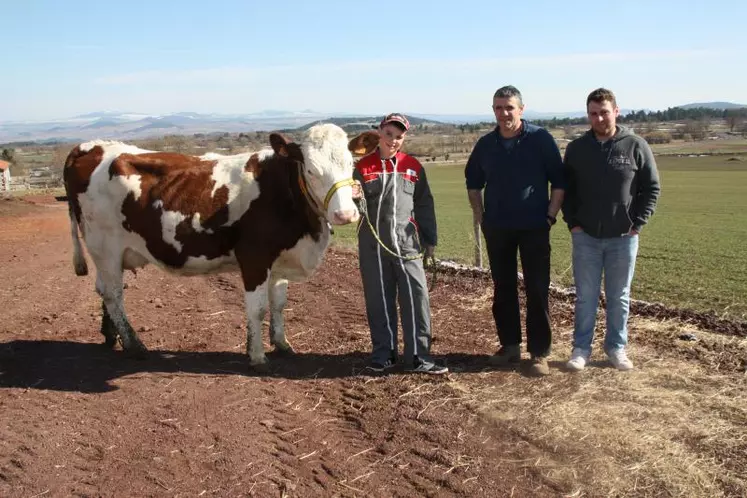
x=577 y=229
x=633 y=232
x=357 y=190
x=429 y=250
x=475 y=202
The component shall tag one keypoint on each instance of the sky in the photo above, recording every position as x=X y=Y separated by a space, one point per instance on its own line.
x=61 y=59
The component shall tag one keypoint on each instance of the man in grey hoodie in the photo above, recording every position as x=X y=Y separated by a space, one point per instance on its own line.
x=611 y=192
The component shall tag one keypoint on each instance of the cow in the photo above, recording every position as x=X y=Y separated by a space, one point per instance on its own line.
x=267 y=213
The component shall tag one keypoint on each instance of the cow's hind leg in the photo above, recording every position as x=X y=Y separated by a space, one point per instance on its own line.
x=108 y=329
x=278 y=292
x=256 y=308
x=109 y=286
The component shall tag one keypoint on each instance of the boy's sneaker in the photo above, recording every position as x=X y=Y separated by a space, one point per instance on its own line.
x=620 y=360
x=579 y=359
x=379 y=367
x=507 y=355
x=428 y=367
x=539 y=367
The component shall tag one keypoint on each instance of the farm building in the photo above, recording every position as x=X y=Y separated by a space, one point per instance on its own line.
x=4 y=176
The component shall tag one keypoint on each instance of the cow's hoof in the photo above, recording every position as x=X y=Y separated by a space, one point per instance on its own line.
x=283 y=349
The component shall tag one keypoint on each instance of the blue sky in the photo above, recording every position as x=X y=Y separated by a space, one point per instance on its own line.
x=61 y=59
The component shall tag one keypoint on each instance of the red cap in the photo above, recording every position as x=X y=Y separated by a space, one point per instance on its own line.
x=397 y=118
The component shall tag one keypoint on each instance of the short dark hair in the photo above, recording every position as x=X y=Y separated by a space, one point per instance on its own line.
x=601 y=95
x=508 y=91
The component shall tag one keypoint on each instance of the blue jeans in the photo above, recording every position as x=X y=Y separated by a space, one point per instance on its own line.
x=615 y=257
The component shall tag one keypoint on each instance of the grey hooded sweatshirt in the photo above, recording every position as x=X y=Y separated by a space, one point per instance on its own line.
x=611 y=186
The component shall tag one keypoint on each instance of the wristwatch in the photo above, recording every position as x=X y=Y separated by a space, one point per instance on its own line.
x=552 y=219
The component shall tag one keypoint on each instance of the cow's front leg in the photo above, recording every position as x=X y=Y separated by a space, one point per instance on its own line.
x=256 y=308
x=278 y=290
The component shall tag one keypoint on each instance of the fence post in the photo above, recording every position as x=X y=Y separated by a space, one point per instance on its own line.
x=478 y=243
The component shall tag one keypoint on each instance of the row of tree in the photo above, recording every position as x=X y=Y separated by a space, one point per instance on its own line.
x=733 y=117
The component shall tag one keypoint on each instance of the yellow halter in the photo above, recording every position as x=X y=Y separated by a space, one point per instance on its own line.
x=312 y=202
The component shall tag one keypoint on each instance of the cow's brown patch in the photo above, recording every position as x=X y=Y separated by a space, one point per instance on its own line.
x=79 y=166
x=278 y=142
x=253 y=165
x=180 y=184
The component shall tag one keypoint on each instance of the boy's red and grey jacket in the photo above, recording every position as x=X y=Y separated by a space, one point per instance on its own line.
x=398 y=201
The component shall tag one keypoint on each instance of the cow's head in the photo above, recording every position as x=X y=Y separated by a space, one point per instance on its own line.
x=327 y=170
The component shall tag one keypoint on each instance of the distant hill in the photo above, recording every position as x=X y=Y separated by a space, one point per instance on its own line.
x=133 y=125
x=713 y=105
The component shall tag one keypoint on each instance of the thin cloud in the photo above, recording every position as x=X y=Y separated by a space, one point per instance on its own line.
x=246 y=74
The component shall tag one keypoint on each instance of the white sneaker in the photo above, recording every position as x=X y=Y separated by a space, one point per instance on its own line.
x=578 y=360
x=620 y=360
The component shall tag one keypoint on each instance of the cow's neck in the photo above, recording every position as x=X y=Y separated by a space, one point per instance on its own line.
x=308 y=234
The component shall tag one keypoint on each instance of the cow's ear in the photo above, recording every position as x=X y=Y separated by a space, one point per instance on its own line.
x=364 y=144
x=279 y=144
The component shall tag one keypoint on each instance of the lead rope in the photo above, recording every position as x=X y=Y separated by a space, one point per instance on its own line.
x=432 y=265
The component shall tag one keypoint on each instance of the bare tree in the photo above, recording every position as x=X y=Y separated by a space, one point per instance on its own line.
x=697 y=129
x=734 y=121
x=59 y=156
x=8 y=155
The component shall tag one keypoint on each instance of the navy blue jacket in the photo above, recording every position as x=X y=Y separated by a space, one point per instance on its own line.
x=516 y=182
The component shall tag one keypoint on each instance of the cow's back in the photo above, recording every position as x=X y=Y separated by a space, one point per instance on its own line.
x=170 y=209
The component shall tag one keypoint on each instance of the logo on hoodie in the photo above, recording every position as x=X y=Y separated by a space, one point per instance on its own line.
x=620 y=161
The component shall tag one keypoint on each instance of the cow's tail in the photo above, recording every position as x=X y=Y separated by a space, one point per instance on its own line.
x=79 y=259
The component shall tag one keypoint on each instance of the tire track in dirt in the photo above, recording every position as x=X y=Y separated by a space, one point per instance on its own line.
x=192 y=420
x=354 y=403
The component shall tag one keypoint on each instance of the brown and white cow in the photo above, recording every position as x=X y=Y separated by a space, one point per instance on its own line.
x=265 y=213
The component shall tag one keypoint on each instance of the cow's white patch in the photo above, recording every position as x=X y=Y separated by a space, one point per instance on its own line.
x=201 y=264
x=196 y=225
x=328 y=161
x=242 y=187
x=278 y=296
x=256 y=308
x=301 y=261
x=127 y=185
x=132 y=260
x=169 y=222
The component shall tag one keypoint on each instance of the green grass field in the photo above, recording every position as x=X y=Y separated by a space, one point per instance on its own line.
x=692 y=254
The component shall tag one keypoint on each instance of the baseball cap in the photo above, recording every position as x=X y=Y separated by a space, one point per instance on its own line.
x=396 y=118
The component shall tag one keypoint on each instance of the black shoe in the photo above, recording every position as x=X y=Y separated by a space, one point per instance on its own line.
x=428 y=367
x=378 y=367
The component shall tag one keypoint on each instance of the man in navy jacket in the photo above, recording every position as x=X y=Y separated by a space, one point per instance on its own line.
x=514 y=165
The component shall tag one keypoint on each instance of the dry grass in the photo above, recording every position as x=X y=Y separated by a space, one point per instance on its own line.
x=676 y=426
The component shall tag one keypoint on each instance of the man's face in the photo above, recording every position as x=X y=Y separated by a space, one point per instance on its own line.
x=391 y=138
x=603 y=117
x=508 y=112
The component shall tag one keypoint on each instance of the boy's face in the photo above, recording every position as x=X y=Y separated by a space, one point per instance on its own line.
x=391 y=138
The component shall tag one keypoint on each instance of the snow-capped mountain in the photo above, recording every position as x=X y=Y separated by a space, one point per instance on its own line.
x=132 y=125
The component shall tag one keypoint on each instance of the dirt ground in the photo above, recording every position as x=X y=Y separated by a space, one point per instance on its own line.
x=192 y=420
